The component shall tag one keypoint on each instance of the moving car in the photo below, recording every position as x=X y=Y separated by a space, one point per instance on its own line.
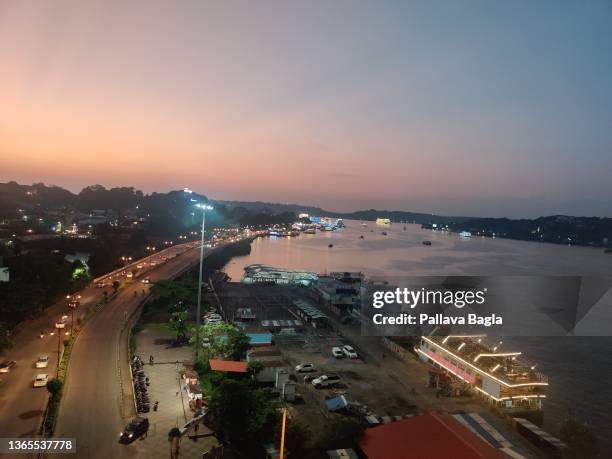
x=305 y=368
x=349 y=352
x=61 y=323
x=100 y=285
x=146 y=280
x=136 y=428
x=7 y=365
x=129 y=274
x=41 y=380
x=42 y=362
x=73 y=304
x=325 y=381
x=338 y=352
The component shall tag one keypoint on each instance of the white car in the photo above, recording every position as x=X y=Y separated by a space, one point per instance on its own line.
x=338 y=352
x=349 y=352
x=42 y=362
x=325 y=381
x=41 y=380
x=305 y=368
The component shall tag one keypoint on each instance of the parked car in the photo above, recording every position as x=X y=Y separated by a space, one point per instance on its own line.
x=325 y=381
x=136 y=428
x=42 y=362
x=305 y=368
x=41 y=380
x=349 y=352
x=309 y=378
x=338 y=352
x=7 y=366
x=130 y=274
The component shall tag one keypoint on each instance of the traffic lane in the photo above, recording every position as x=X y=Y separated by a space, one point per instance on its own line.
x=93 y=384
x=22 y=405
x=91 y=401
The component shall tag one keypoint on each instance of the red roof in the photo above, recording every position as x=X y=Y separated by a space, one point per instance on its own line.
x=228 y=365
x=427 y=435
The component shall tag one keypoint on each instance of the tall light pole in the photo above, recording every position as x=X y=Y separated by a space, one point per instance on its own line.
x=204 y=208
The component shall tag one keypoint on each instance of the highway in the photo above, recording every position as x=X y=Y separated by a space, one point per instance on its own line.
x=95 y=407
x=22 y=405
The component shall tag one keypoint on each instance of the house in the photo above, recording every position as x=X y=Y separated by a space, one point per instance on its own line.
x=426 y=435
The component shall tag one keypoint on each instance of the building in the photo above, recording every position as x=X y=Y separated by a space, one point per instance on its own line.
x=425 y=436
x=4 y=274
x=501 y=377
x=341 y=292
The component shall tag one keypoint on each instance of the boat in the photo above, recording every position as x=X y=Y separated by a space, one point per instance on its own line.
x=310 y=231
x=426 y=242
x=364 y=224
x=384 y=233
x=383 y=221
x=465 y=234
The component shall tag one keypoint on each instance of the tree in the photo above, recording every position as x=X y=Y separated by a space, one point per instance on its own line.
x=116 y=285
x=178 y=325
x=239 y=343
x=580 y=439
x=296 y=435
x=54 y=386
x=244 y=415
x=5 y=341
x=174 y=437
x=340 y=433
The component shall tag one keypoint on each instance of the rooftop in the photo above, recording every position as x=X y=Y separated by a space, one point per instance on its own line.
x=228 y=366
x=427 y=435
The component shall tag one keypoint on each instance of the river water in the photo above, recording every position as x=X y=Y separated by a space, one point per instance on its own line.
x=579 y=368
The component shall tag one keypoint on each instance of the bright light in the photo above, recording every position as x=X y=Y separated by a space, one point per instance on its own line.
x=205 y=206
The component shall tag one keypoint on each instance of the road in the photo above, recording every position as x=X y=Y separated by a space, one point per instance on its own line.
x=21 y=405
x=92 y=408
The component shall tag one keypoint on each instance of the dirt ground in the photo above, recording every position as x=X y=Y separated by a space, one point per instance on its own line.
x=387 y=386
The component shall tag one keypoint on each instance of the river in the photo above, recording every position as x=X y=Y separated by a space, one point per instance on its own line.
x=579 y=368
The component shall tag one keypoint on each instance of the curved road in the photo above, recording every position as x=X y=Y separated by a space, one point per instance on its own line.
x=95 y=406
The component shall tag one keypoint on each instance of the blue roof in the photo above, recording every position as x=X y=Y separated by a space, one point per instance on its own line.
x=260 y=338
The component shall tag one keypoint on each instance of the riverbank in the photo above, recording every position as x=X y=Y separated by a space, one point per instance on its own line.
x=569 y=362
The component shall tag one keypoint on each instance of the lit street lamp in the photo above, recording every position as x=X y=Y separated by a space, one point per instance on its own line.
x=204 y=208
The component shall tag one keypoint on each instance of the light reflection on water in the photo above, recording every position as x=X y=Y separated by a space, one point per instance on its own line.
x=579 y=368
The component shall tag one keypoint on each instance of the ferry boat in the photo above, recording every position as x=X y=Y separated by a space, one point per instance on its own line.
x=263 y=274
x=383 y=221
x=501 y=377
x=465 y=234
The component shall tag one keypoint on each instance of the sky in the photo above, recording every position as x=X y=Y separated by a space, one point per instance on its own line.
x=481 y=108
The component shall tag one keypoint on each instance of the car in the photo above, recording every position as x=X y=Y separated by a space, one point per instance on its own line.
x=61 y=323
x=153 y=263
x=146 y=280
x=129 y=274
x=139 y=266
x=100 y=285
x=309 y=378
x=42 y=362
x=74 y=304
x=41 y=380
x=213 y=321
x=137 y=427
x=325 y=381
x=338 y=352
x=305 y=368
x=349 y=352
x=7 y=365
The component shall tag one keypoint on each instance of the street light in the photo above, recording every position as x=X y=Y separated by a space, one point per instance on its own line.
x=204 y=208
